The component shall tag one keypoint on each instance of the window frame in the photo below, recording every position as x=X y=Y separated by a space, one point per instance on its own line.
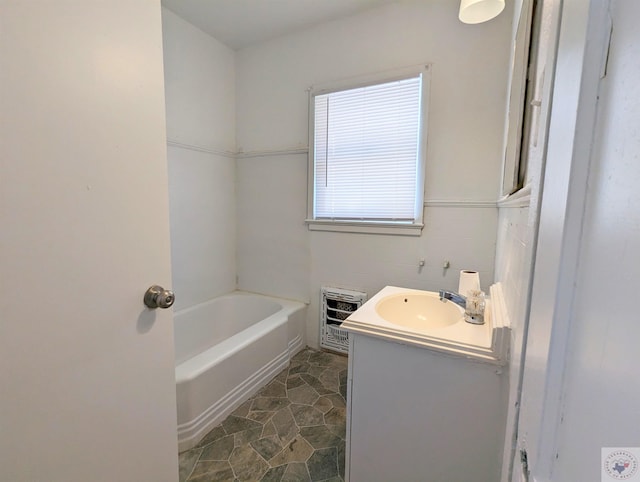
x=522 y=107
x=372 y=227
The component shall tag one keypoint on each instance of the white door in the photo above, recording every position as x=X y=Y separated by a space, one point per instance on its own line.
x=86 y=371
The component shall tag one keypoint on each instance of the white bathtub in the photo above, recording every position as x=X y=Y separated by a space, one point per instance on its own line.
x=226 y=349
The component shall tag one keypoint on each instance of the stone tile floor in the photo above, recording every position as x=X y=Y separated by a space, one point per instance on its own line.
x=292 y=430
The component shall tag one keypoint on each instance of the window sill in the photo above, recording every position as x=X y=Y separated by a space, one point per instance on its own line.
x=394 y=229
x=519 y=199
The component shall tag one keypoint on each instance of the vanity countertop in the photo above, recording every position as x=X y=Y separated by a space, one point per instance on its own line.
x=486 y=343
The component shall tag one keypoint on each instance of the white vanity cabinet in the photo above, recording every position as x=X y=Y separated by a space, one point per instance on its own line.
x=420 y=415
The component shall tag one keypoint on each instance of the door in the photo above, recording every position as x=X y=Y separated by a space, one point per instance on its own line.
x=86 y=377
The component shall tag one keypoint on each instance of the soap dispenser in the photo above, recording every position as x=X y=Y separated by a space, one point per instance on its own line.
x=474 y=308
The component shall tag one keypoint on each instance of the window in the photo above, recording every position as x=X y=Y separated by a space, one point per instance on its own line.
x=367 y=152
x=527 y=76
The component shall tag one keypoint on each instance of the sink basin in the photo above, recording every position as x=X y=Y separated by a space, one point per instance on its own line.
x=419 y=311
x=418 y=318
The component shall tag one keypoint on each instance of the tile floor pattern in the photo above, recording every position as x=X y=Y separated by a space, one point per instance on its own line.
x=292 y=430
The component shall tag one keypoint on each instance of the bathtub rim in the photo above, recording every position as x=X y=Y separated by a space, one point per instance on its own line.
x=191 y=368
x=235 y=293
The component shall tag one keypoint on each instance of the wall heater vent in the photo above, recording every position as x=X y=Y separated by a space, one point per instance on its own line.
x=336 y=305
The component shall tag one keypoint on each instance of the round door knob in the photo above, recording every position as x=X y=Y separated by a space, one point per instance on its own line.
x=158 y=297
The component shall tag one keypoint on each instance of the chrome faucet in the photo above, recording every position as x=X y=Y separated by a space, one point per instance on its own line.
x=457 y=298
x=472 y=315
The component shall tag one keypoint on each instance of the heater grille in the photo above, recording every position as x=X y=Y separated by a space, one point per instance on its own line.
x=336 y=305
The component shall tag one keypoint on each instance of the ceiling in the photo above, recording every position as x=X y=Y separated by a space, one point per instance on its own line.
x=240 y=23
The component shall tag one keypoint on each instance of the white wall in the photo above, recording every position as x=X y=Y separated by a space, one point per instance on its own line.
x=464 y=154
x=199 y=85
x=516 y=230
x=601 y=393
x=273 y=241
x=200 y=100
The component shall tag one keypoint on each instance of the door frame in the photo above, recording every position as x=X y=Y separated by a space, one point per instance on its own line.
x=580 y=63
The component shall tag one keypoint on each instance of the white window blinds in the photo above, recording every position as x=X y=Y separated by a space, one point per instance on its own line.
x=366 y=153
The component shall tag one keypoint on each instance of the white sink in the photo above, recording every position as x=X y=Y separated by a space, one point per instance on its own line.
x=417 y=317
x=418 y=310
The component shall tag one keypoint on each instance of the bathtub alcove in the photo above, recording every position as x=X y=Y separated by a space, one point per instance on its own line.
x=227 y=349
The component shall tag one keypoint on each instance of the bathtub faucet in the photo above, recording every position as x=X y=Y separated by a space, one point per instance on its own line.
x=458 y=299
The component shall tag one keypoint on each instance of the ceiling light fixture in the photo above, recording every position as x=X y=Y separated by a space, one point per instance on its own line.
x=478 y=11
